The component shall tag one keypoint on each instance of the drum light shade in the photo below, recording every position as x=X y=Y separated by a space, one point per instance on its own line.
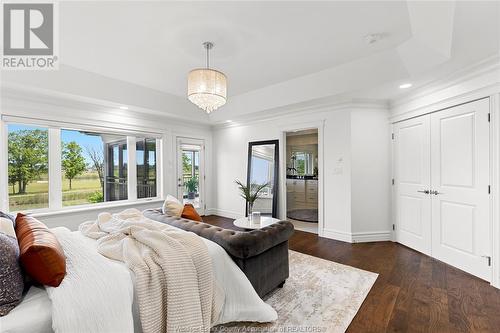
x=207 y=88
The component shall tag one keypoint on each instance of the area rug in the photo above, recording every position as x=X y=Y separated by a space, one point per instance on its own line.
x=306 y=215
x=319 y=296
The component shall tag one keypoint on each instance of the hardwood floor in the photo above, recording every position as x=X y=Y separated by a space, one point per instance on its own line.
x=413 y=293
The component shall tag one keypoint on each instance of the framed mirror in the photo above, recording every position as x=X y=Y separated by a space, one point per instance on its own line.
x=263 y=166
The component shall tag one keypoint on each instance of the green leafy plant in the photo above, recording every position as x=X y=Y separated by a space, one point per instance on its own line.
x=192 y=184
x=252 y=192
x=96 y=197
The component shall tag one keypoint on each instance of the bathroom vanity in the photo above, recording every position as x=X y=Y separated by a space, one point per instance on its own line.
x=302 y=193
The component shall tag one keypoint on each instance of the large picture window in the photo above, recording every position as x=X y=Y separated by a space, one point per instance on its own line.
x=93 y=167
x=28 y=156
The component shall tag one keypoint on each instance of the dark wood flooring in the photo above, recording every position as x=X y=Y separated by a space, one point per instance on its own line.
x=413 y=293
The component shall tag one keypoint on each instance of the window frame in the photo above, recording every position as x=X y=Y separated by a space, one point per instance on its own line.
x=55 y=168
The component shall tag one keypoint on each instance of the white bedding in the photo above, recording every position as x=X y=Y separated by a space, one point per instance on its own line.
x=241 y=303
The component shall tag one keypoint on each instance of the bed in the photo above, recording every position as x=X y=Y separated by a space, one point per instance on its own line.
x=34 y=313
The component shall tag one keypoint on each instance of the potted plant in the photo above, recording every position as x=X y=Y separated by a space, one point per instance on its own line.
x=191 y=187
x=250 y=193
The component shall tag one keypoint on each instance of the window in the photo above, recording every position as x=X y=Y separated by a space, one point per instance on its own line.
x=93 y=167
x=116 y=173
x=146 y=167
x=191 y=175
x=303 y=162
x=28 y=158
x=85 y=178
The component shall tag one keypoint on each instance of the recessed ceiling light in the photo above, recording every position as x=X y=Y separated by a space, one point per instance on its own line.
x=124 y=107
x=405 y=86
x=229 y=121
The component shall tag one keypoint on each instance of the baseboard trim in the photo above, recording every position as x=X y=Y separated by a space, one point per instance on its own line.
x=373 y=236
x=337 y=235
x=357 y=237
x=224 y=213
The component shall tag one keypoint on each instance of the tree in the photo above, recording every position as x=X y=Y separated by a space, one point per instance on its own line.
x=12 y=180
x=186 y=164
x=73 y=161
x=97 y=157
x=28 y=156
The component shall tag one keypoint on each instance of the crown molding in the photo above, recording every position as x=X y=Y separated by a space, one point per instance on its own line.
x=480 y=69
x=305 y=109
x=15 y=94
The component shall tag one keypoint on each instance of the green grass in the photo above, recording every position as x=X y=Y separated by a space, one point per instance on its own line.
x=82 y=184
x=37 y=192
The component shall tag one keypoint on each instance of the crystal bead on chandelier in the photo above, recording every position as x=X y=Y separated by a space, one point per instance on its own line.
x=207 y=88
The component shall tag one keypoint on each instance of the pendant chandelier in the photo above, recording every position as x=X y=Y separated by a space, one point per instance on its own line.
x=207 y=88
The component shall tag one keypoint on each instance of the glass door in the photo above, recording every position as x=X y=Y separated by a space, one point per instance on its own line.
x=190 y=173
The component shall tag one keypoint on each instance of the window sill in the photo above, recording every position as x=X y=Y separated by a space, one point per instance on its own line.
x=94 y=207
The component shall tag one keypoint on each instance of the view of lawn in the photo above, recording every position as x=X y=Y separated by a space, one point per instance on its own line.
x=83 y=189
x=28 y=153
x=82 y=166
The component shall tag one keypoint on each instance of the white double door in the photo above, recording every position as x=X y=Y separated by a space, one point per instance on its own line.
x=441 y=164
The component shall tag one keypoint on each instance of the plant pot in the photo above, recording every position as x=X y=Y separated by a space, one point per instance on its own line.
x=191 y=195
x=249 y=211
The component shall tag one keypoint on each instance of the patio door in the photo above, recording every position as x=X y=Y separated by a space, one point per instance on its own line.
x=191 y=172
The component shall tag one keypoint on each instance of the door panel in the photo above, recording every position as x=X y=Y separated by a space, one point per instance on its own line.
x=191 y=173
x=460 y=175
x=457 y=149
x=412 y=176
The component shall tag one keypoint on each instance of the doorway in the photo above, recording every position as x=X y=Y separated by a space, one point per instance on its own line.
x=302 y=177
x=191 y=173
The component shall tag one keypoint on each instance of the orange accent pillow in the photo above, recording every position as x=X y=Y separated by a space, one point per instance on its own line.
x=190 y=213
x=40 y=253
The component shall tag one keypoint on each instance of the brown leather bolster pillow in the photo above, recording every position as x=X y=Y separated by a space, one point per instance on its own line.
x=40 y=253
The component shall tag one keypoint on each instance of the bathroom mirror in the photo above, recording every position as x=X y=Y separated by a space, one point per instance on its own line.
x=262 y=168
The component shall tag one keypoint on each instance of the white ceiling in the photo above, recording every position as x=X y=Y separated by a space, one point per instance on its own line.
x=275 y=54
x=155 y=44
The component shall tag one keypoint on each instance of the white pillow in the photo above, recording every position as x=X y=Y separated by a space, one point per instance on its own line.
x=7 y=227
x=172 y=206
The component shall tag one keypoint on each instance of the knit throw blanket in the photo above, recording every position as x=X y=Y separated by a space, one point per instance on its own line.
x=175 y=283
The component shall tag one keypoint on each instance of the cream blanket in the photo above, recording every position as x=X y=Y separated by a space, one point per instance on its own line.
x=175 y=282
x=96 y=294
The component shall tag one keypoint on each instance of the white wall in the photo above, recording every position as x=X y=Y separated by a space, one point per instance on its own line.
x=370 y=174
x=343 y=154
x=73 y=218
x=67 y=112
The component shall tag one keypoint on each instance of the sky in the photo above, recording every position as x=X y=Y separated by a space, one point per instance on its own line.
x=85 y=141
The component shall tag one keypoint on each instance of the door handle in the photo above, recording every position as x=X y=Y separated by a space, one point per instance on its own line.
x=425 y=192
x=436 y=192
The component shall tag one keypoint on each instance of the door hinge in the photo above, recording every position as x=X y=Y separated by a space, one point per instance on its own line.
x=392 y=136
x=489 y=189
x=392 y=181
x=393 y=227
x=489 y=117
x=488 y=258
